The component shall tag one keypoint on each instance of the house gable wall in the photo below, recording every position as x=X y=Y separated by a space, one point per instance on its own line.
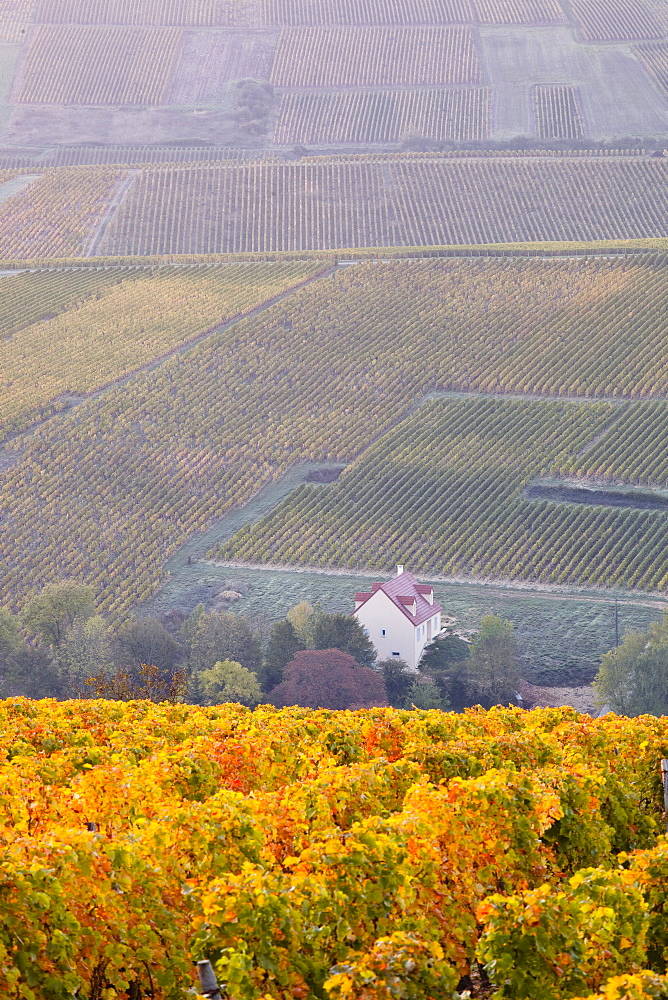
x=379 y=613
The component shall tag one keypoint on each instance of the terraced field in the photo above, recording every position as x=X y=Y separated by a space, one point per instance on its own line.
x=385 y=116
x=443 y=493
x=111 y=489
x=331 y=203
x=70 y=332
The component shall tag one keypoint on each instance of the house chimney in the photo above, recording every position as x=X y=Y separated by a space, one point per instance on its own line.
x=400 y=570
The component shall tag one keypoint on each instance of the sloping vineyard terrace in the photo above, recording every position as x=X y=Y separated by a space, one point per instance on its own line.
x=461 y=113
x=373 y=57
x=332 y=203
x=634 y=450
x=118 y=485
x=123 y=319
x=444 y=492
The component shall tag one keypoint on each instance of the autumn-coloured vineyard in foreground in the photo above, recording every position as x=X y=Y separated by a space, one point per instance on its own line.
x=312 y=854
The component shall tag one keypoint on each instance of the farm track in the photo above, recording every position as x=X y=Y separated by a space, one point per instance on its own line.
x=112 y=208
x=507 y=587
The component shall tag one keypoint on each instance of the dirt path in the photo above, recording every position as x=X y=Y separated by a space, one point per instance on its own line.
x=504 y=587
x=113 y=206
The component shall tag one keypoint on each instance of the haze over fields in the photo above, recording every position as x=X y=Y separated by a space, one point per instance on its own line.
x=331 y=74
x=246 y=242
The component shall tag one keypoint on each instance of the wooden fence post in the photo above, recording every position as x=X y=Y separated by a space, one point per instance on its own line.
x=207 y=980
x=664 y=780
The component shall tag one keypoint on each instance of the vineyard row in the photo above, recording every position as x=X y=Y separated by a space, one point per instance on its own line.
x=332 y=204
x=320 y=854
x=114 y=488
x=444 y=493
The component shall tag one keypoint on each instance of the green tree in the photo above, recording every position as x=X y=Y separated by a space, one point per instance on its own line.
x=344 y=632
x=304 y=617
x=222 y=635
x=493 y=665
x=226 y=681
x=84 y=652
x=399 y=681
x=56 y=608
x=10 y=638
x=145 y=640
x=445 y=661
x=633 y=679
x=282 y=645
x=425 y=694
x=189 y=627
x=32 y=672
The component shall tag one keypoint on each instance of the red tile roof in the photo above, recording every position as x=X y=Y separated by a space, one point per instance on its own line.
x=402 y=590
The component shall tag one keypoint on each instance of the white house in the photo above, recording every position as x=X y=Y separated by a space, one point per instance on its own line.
x=400 y=617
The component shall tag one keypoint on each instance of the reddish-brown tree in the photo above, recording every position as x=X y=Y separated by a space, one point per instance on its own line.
x=328 y=678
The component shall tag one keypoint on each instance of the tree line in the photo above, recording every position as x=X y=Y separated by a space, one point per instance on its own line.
x=60 y=646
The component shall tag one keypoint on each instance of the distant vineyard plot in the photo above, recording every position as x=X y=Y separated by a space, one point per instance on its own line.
x=404 y=201
x=123 y=480
x=444 y=492
x=558 y=114
x=172 y=71
x=207 y=62
x=390 y=12
x=654 y=55
x=384 y=116
x=15 y=18
x=197 y=13
x=383 y=12
x=69 y=64
x=370 y=57
x=616 y=20
x=538 y=12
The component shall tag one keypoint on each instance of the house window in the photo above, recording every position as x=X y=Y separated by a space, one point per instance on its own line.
x=383 y=631
x=395 y=654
